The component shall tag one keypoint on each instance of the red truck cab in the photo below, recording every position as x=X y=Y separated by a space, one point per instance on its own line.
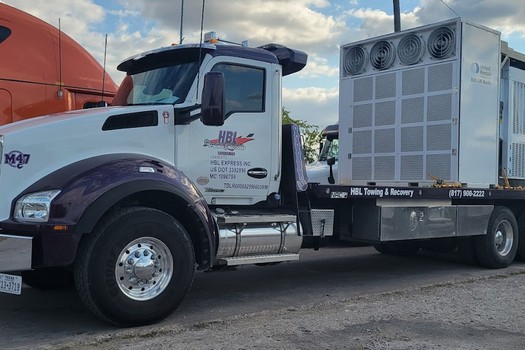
x=44 y=71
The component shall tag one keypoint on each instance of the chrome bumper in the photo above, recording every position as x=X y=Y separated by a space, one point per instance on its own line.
x=15 y=253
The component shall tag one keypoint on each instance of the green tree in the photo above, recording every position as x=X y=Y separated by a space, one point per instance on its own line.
x=310 y=135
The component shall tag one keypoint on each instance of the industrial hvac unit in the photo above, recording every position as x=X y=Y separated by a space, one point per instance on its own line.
x=513 y=114
x=421 y=105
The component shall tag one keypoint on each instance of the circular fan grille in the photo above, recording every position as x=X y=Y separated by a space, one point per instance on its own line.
x=355 y=60
x=382 y=55
x=410 y=49
x=441 y=42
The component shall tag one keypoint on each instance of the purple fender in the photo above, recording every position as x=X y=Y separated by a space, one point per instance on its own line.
x=92 y=187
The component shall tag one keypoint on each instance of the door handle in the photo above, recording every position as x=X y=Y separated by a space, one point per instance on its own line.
x=258 y=173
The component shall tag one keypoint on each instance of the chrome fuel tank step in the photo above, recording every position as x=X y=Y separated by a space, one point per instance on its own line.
x=258 y=259
x=246 y=238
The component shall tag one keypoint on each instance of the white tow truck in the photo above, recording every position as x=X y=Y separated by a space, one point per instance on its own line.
x=324 y=169
x=191 y=168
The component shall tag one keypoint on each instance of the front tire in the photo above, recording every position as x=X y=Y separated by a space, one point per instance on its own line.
x=136 y=267
x=498 y=247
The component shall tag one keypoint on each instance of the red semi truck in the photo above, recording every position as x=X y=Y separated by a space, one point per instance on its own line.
x=44 y=71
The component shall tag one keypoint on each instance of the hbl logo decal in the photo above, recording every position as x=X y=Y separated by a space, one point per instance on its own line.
x=16 y=159
x=229 y=140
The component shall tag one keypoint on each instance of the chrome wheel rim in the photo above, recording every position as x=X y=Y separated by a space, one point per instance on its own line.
x=504 y=238
x=144 y=268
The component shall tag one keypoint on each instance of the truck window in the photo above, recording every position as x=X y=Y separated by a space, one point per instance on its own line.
x=244 y=87
x=163 y=85
x=4 y=33
x=330 y=149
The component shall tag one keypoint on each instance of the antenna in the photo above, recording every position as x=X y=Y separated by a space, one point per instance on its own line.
x=200 y=46
x=104 y=69
x=60 y=93
x=450 y=8
x=397 y=17
x=181 y=20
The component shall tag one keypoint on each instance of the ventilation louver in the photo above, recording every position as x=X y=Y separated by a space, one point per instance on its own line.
x=355 y=60
x=382 y=55
x=410 y=49
x=441 y=43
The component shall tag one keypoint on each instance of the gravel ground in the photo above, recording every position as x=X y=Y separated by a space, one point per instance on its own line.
x=477 y=313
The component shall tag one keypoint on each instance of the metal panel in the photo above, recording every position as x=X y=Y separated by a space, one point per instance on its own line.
x=473 y=219
x=417 y=222
x=412 y=110
x=412 y=168
x=363 y=115
x=439 y=137
x=15 y=253
x=440 y=77
x=362 y=142
x=412 y=139
x=514 y=123
x=479 y=122
x=363 y=89
x=405 y=220
x=439 y=107
x=413 y=81
x=438 y=166
x=362 y=168
x=385 y=86
x=322 y=222
x=385 y=140
x=385 y=113
x=384 y=167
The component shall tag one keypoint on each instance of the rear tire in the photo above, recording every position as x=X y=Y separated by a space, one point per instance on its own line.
x=498 y=247
x=136 y=267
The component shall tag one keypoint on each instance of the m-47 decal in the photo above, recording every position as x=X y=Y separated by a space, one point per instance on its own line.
x=16 y=159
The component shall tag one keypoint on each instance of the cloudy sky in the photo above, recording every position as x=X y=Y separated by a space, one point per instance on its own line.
x=317 y=27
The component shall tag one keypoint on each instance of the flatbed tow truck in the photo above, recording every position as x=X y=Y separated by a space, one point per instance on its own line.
x=191 y=167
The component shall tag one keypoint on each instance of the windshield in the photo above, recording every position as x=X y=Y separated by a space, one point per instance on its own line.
x=164 y=85
x=330 y=149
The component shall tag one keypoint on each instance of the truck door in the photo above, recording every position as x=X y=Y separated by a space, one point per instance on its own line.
x=233 y=164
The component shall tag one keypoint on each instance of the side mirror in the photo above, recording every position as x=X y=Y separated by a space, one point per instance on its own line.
x=213 y=99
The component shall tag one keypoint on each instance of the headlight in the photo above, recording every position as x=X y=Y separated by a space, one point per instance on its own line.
x=34 y=207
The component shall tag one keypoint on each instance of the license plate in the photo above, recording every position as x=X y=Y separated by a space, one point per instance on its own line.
x=10 y=284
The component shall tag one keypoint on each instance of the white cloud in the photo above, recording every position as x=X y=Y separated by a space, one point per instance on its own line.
x=317 y=106
x=298 y=23
x=315 y=95
x=76 y=17
x=318 y=67
x=376 y=22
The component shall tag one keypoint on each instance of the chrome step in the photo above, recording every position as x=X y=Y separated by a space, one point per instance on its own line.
x=248 y=219
x=258 y=259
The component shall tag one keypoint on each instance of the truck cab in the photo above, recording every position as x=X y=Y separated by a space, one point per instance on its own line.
x=187 y=167
x=324 y=170
x=224 y=161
